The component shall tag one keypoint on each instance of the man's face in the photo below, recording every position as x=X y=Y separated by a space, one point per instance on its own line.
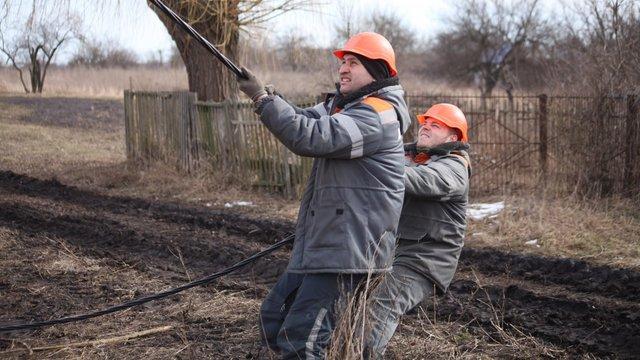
x=433 y=133
x=353 y=74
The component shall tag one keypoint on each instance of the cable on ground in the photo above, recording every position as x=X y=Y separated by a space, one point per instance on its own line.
x=148 y=298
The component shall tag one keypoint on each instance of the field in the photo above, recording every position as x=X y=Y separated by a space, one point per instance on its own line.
x=111 y=82
x=81 y=229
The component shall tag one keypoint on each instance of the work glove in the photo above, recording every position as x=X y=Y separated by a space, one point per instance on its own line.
x=250 y=85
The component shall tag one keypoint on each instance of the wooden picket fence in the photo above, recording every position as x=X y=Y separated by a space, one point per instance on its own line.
x=226 y=137
x=517 y=144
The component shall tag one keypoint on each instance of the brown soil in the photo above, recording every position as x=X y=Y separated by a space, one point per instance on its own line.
x=569 y=304
x=66 y=250
x=69 y=112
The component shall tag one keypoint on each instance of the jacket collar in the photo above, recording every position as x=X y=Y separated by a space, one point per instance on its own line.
x=444 y=149
x=342 y=101
x=423 y=155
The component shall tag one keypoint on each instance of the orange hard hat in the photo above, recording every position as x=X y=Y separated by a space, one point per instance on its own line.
x=450 y=115
x=372 y=46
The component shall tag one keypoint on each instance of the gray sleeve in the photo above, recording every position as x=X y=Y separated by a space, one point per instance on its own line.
x=437 y=180
x=313 y=112
x=353 y=133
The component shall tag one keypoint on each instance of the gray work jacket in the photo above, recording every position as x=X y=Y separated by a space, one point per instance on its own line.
x=433 y=219
x=351 y=205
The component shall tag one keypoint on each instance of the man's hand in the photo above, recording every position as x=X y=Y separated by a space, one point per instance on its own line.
x=251 y=86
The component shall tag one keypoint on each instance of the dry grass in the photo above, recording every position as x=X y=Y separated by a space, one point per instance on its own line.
x=198 y=308
x=603 y=231
x=51 y=151
x=95 y=159
x=102 y=83
x=111 y=82
x=424 y=339
x=312 y=84
x=68 y=148
x=424 y=336
x=161 y=181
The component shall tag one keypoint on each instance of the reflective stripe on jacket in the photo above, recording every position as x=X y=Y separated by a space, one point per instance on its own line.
x=433 y=219
x=351 y=205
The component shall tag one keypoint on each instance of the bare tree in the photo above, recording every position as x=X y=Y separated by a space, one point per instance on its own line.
x=598 y=54
x=292 y=46
x=391 y=26
x=599 y=49
x=349 y=22
x=102 y=54
x=220 y=22
x=296 y=53
x=175 y=60
x=387 y=23
x=32 y=46
x=484 y=40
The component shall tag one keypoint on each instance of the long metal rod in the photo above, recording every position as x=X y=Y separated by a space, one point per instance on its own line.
x=204 y=42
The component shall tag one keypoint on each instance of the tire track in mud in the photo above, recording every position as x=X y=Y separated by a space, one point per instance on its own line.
x=118 y=242
x=262 y=230
x=575 y=274
x=578 y=325
x=139 y=231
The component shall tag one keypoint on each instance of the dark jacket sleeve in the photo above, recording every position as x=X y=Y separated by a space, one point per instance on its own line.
x=438 y=180
x=352 y=133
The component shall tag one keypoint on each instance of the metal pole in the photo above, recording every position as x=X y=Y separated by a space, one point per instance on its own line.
x=204 y=42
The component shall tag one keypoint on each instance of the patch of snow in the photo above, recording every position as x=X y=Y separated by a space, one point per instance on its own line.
x=480 y=211
x=238 y=203
x=533 y=242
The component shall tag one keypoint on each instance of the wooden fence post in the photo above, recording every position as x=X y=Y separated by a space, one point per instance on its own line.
x=127 y=124
x=195 y=138
x=630 y=142
x=543 y=118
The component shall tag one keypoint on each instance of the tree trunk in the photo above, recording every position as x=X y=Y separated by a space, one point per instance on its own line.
x=207 y=76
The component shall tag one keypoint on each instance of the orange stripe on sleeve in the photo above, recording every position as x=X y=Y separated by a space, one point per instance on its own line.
x=377 y=104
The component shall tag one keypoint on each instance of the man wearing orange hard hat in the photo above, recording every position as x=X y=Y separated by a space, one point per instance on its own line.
x=349 y=212
x=432 y=222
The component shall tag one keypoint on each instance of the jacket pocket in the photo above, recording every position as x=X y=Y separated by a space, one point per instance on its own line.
x=327 y=226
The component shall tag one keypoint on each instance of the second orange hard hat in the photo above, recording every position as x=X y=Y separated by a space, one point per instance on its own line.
x=372 y=46
x=450 y=115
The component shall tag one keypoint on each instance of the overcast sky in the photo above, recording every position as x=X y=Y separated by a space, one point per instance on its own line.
x=133 y=25
x=136 y=27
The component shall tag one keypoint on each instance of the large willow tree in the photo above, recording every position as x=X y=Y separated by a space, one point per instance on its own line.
x=220 y=21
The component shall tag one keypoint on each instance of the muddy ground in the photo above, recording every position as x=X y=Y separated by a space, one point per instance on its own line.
x=66 y=250
x=581 y=309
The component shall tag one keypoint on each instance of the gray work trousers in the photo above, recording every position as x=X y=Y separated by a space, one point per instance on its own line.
x=298 y=315
x=398 y=292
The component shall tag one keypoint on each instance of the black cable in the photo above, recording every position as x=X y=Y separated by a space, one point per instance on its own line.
x=148 y=298
x=201 y=39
